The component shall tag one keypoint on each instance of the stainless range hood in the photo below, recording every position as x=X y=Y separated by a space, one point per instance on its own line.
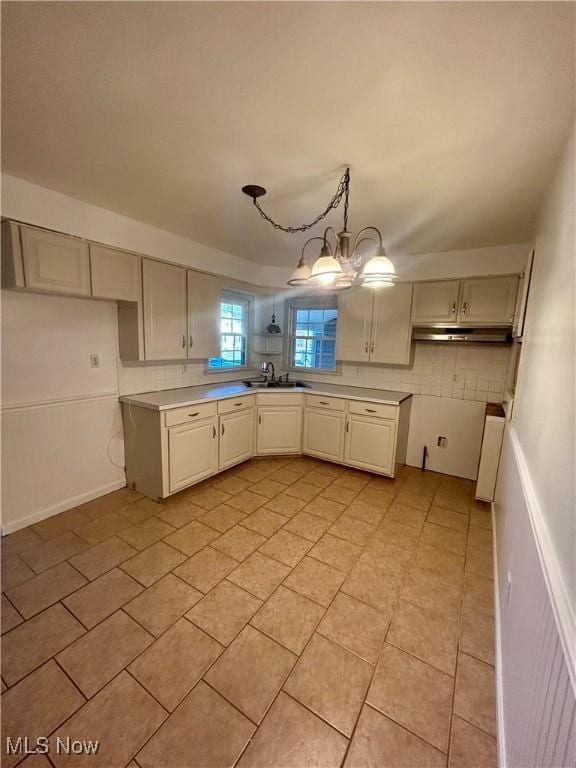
x=474 y=335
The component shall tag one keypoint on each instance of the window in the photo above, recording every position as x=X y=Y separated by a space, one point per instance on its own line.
x=313 y=336
x=233 y=333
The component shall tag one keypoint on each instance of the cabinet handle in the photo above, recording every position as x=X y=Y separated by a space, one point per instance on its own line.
x=372 y=348
x=191 y=342
x=366 y=347
x=193 y=414
x=370 y=410
x=237 y=404
x=464 y=308
x=259 y=419
x=213 y=432
x=347 y=426
x=183 y=341
x=323 y=402
x=453 y=308
x=222 y=431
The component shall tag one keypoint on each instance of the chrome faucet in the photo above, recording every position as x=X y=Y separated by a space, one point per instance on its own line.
x=268 y=368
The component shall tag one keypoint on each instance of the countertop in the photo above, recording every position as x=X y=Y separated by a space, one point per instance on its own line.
x=174 y=398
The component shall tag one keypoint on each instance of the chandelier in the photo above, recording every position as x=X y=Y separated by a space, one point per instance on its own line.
x=338 y=266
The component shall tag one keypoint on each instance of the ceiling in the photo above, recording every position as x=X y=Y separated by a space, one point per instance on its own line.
x=451 y=115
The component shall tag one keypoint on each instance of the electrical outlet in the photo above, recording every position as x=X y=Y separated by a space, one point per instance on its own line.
x=95 y=360
x=442 y=442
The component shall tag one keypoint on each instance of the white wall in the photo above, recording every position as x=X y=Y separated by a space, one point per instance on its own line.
x=535 y=507
x=61 y=425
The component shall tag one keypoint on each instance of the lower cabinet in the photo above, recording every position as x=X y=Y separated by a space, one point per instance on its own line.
x=193 y=452
x=323 y=434
x=370 y=443
x=279 y=429
x=236 y=437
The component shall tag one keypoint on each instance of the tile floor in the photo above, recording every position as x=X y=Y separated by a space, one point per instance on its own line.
x=287 y=613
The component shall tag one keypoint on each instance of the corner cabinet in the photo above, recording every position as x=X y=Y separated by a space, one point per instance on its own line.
x=279 y=424
x=475 y=301
x=374 y=325
x=165 y=311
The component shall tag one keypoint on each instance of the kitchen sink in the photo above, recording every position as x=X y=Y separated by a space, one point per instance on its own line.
x=259 y=384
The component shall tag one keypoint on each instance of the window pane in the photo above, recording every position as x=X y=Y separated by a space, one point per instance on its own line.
x=314 y=337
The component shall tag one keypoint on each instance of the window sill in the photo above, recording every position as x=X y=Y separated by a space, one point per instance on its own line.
x=232 y=369
x=314 y=372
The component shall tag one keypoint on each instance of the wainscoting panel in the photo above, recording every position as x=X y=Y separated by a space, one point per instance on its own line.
x=536 y=697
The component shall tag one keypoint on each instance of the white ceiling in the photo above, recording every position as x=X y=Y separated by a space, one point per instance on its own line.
x=451 y=115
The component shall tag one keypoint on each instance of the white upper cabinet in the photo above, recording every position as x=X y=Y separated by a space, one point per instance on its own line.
x=476 y=301
x=165 y=311
x=116 y=274
x=435 y=302
x=488 y=300
x=354 y=325
x=391 y=330
x=203 y=316
x=55 y=263
x=374 y=325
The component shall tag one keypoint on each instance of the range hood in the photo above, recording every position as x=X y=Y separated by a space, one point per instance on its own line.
x=471 y=335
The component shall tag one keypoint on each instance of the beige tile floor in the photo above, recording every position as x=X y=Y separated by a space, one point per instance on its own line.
x=287 y=613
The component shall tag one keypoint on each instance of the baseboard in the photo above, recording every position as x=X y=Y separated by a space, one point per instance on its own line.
x=501 y=731
x=62 y=506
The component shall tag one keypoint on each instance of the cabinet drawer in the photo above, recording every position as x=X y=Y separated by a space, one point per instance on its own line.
x=190 y=413
x=381 y=411
x=279 y=398
x=236 y=404
x=329 y=403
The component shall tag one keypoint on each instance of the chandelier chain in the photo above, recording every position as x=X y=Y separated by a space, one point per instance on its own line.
x=342 y=191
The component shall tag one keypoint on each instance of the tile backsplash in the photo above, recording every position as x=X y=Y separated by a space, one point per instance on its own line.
x=462 y=371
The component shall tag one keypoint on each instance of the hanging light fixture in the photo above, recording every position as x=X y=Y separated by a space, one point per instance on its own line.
x=336 y=268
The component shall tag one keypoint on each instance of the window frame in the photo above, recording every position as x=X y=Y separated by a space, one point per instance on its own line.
x=330 y=301
x=233 y=297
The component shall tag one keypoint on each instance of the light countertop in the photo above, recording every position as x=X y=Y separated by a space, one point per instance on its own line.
x=185 y=396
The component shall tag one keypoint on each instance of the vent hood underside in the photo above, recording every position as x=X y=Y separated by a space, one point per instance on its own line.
x=454 y=334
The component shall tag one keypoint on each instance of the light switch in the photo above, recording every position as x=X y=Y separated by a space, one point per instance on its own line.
x=94 y=360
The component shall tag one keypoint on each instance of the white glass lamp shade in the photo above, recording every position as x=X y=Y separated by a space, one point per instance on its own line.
x=378 y=271
x=301 y=274
x=325 y=270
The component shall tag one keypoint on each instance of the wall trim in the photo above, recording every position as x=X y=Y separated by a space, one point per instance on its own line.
x=62 y=506
x=70 y=400
x=500 y=725
x=562 y=607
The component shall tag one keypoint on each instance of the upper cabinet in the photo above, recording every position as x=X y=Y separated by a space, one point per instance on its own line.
x=203 y=315
x=55 y=263
x=116 y=275
x=436 y=302
x=165 y=311
x=374 y=326
x=488 y=300
x=475 y=301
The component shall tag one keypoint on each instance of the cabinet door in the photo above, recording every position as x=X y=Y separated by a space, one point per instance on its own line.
x=279 y=429
x=323 y=434
x=353 y=326
x=193 y=453
x=435 y=302
x=370 y=443
x=488 y=301
x=236 y=437
x=164 y=311
x=115 y=274
x=203 y=316
x=55 y=263
x=391 y=329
